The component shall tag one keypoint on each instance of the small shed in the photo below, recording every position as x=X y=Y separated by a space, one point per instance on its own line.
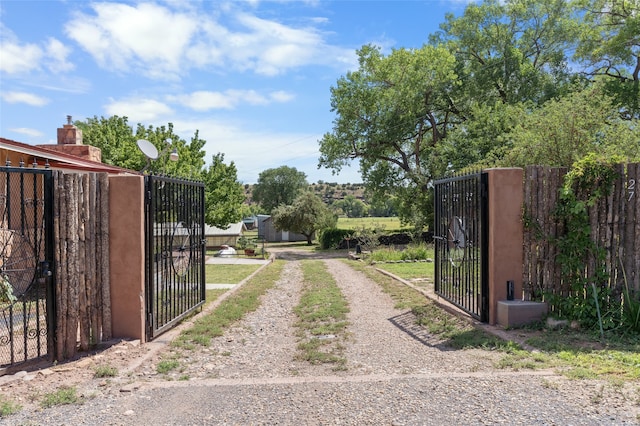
x=267 y=231
x=217 y=237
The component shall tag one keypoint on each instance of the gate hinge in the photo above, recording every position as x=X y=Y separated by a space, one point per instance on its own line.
x=483 y=189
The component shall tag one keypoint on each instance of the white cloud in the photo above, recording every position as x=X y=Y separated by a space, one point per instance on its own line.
x=58 y=53
x=26 y=131
x=229 y=99
x=147 y=37
x=17 y=58
x=24 y=98
x=164 y=42
x=139 y=110
x=281 y=96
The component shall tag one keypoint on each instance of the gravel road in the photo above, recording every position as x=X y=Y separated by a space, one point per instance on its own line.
x=396 y=374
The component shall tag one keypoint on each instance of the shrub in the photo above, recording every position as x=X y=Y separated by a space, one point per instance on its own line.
x=332 y=237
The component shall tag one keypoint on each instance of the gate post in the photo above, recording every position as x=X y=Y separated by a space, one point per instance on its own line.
x=127 y=256
x=505 y=235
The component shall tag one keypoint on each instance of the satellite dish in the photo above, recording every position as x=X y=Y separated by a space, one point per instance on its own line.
x=148 y=149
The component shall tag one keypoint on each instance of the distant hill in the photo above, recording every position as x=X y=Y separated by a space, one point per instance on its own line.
x=328 y=191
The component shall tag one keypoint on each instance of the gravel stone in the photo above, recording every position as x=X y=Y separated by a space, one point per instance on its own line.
x=396 y=374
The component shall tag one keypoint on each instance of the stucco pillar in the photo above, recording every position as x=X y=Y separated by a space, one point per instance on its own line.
x=505 y=235
x=127 y=256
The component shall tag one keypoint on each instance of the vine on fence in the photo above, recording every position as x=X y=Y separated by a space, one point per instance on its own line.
x=589 y=180
x=6 y=290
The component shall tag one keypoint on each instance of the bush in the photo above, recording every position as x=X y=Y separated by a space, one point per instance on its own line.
x=332 y=237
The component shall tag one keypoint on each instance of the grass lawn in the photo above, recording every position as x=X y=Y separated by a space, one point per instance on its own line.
x=409 y=271
x=228 y=274
x=386 y=223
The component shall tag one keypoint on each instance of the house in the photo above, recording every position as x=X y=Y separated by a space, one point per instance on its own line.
x=268 y=232
x=68 y=154
x=217 y=237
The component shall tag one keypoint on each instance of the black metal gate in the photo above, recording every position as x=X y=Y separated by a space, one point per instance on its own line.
x=27 y=311
x=461 y=243
x=175 y=251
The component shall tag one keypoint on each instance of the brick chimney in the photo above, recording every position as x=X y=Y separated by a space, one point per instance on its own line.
x=70 y=142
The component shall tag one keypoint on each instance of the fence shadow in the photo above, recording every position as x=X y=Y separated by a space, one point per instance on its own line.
x=407 y=323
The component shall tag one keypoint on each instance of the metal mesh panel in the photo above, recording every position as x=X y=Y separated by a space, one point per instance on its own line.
x=175 y=251
x=460 y=242
x=26 y=282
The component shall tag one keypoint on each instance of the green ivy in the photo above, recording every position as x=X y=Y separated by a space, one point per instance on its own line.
x=6 y=290
x=589 y=180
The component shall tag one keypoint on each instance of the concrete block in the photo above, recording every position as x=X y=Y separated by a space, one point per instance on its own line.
x=513 y=313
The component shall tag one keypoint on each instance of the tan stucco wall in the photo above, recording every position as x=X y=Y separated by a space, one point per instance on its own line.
x=505 y=235
x=126 y=226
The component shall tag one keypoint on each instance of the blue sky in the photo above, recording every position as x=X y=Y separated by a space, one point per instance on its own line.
x=253 y=77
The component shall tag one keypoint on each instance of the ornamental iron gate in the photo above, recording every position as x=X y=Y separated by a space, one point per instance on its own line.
x=27 y=303
x=175 y=251
x=461 y=242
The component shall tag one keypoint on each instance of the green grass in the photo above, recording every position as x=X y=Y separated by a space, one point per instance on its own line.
x=8 y=407
x=232 y=309
x=409 y=271
x=167 y=365
x=322 y=317
x=105 y=371
x=403 y=296
x=410 y=253
x=386 y=223
x=64 y=395
x=228 y=274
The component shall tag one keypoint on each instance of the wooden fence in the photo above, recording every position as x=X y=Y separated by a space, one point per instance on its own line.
x=614 y=223
x=81 y=234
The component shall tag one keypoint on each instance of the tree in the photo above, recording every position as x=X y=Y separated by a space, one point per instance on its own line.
x=391 y=113
x=305 y=216
x=352 y=207
x=610 y=48
x=278 y=186
x=117 y=142
x=564 y=131
x=224 y=195
x=513 y=50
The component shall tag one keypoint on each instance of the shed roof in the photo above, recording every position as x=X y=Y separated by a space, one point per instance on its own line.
x=233 y=229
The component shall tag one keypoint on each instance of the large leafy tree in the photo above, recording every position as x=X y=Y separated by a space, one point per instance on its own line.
x=510 y=56
x=305 y=216
x=224 y=195
x=610 y=48
x=513 y=51
x=391 y=113
x=278 y=186
x=117 y=141
x=564 y=131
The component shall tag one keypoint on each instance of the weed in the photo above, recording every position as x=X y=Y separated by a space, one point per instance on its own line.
x=8 y=407
x=64 y=395
x=167 y=365
x=105 y=371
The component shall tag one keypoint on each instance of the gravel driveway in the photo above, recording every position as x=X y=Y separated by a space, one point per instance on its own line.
x=396 y=374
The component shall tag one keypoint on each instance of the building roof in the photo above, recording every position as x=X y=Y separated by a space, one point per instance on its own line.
x=59 y=160
x=235 y=229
